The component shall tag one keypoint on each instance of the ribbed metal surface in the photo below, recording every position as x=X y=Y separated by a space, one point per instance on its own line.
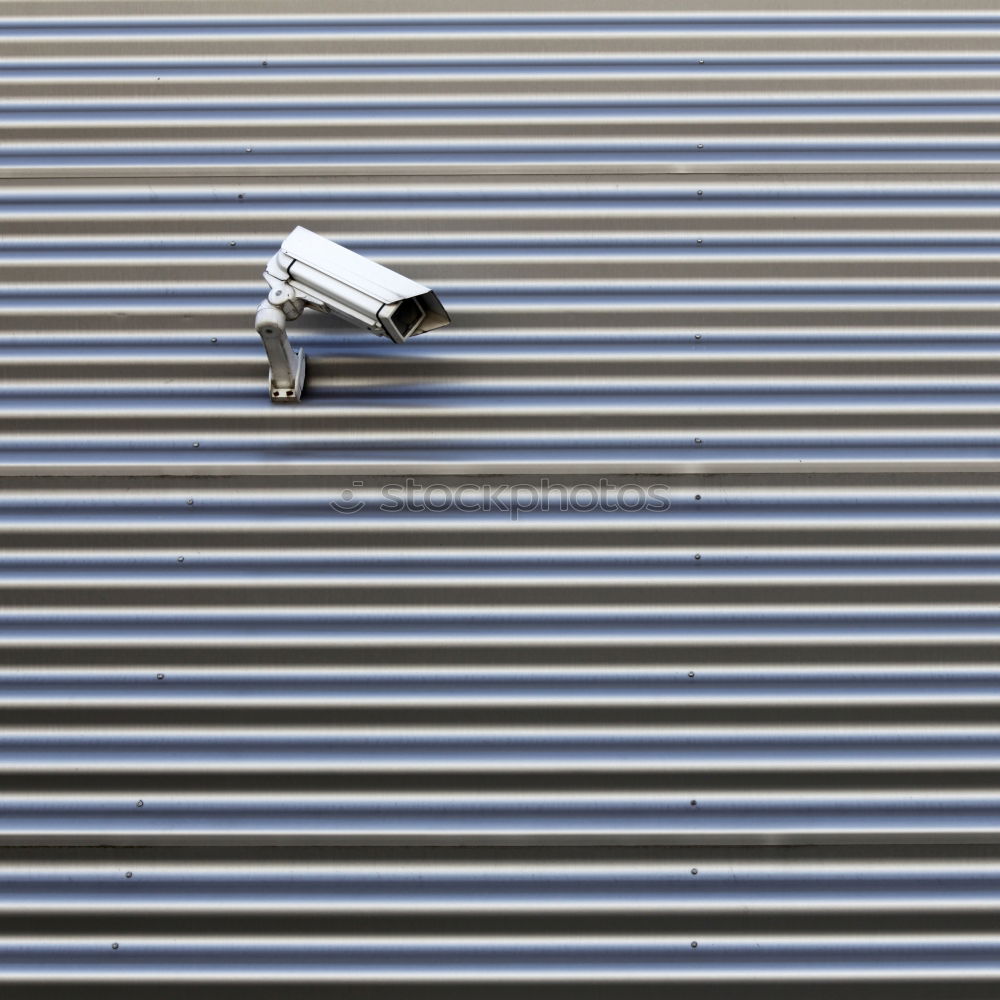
x=747 y=260
x=500 y=921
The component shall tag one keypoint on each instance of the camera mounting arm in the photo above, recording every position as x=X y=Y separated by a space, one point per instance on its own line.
x=288 y=367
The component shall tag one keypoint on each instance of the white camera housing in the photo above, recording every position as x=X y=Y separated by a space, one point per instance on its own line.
x=312 y=271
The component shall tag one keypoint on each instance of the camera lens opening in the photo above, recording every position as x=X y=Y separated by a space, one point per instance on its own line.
x=406 y=317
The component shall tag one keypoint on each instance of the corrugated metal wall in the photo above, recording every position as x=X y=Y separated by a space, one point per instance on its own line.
x=250 y=739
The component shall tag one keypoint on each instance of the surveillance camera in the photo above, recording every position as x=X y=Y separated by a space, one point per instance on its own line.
x=312 y=271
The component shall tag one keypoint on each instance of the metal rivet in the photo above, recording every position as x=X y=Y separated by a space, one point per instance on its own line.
x=232 y=243
x=697 y=555
x=697 y=336
x=138 y=804
x=701 y=145
x=159 y=677
x=180 y=558
x=215 y=340
x=241 y=196
x=699 y=241
x=694 y=871
x=700 y=193
x=694 y=944
x=249 y=149
x=690 y=673
x=195 y=445
x=264 y=63
x=128 y=874
x=190 y=502
x=697 y=440
x=701 y=62
x=694 y=802
x=114 y=947
x=697 y=496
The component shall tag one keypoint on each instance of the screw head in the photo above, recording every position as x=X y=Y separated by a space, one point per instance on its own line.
x=694 y=944
x=700 y=193
x=690 y=673
x=190 y=502
x=180 y=558
x=697 y=440
x=697 y=496
x=139 y=804
x=249 y=149
x=195 y=444
x=114 y=947
x=699 y=241
x=215 y=340
x=697 y=336
x=232 y=243
x=694 y=802
x=701 y=62
x=128 y=874
x=697 y=555
x=701 y=145
x=694 y=871
x=159 y=677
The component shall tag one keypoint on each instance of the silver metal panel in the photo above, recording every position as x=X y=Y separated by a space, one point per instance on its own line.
x=295 y=739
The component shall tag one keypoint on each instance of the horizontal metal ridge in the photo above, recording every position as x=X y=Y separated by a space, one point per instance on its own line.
x=217 y=162
x=951 y=457
x=913 y=17
x=656 y=958
x=667 y=893
x=465 y=817
x=773 y=686
x=899 y=756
